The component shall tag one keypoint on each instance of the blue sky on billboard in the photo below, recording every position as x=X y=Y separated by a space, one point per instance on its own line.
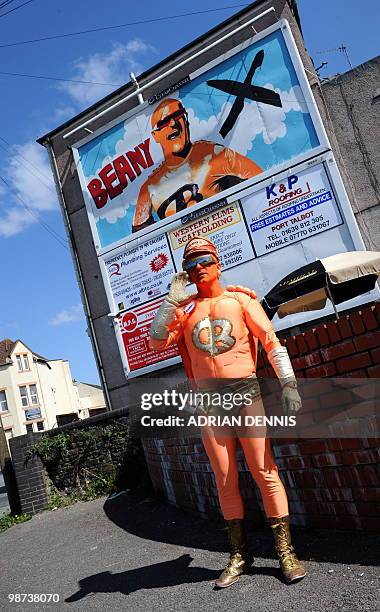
x=41 y=302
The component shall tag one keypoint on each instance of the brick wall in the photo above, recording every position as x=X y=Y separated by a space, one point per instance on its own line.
x=30 y=477
x=330 y=483
x=100 y=446
x=349 y=346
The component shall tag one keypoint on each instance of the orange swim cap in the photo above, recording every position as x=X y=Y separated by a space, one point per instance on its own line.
x=198 y=245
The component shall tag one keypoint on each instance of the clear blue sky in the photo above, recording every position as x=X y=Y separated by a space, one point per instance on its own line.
x=40 y=299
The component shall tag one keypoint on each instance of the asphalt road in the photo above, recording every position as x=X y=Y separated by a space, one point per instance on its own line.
x=137 y=554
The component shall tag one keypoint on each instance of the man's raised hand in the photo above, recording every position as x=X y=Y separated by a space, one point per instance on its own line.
x=177 y=291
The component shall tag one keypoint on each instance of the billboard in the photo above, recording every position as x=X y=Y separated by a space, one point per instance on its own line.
x=287 y=211
x=139 y=274
x=246 y=113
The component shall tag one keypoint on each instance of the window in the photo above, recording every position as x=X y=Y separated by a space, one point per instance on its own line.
x=24 y=396
x=40 y=426
x=29 y=395
x=29 y=427
x=3 y=402
x=22 y=363
x=33 y=394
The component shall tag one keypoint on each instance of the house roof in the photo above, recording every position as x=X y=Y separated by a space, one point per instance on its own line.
x=6 y=348
x=78 y=382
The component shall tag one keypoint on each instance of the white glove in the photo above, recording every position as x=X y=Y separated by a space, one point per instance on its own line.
x=166 y=312
x=291 y=400
x=177 y=291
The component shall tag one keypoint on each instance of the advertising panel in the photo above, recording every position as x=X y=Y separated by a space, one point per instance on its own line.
x=137 y=275
x=291 y=210
x=226 y=228
x=132 y=330
x=246 y=113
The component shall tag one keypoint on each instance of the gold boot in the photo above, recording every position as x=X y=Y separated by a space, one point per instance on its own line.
x=291 y=566
x=239 y=560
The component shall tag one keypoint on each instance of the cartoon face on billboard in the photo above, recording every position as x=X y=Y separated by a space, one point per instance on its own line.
x=239 y=117
x=190 y=172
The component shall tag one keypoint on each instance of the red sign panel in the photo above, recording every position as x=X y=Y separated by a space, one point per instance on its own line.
x=134 y=327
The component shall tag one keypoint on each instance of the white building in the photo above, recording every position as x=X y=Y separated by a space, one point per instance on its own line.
x=38 y=394
x=91 y=398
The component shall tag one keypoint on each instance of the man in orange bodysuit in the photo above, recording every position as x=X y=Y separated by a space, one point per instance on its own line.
x=217 y=332
x=191 y=172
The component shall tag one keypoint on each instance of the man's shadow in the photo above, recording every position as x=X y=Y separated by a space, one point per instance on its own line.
x=157 y=575
x=153 y=520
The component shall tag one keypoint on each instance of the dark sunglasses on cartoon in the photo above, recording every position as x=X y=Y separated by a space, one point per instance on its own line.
x=166 y=121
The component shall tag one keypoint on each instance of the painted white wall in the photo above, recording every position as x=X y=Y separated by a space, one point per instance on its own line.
x=57 y=393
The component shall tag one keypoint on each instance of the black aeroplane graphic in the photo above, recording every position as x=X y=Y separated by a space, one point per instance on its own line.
x=244 y=90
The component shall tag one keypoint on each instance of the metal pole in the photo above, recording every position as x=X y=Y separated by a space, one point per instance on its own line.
x=140 y=97
x=330 y=296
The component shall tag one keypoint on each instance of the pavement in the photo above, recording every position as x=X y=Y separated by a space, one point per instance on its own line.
x=137 y=553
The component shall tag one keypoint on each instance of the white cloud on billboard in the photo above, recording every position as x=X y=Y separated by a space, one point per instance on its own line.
x=256 y=118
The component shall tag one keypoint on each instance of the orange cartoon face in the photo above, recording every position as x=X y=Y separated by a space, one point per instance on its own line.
x=170 y=127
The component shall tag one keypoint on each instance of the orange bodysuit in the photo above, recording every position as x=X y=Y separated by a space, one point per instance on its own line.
x=221 y=335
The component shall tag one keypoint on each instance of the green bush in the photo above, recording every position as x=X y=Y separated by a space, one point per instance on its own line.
x=8 y=520
x=56 y=500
